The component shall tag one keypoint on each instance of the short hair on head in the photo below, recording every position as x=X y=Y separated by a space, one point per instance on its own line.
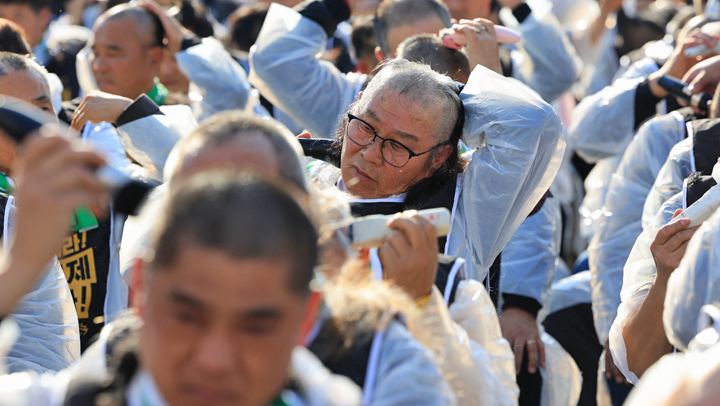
x=36 y=5
x=430 y=50
x=150 y=27
x=12 y=38
x=11 y=62
x=396 y=13
x=363 y=37
x=240 y=215
x=228 y=126
x=244 y=25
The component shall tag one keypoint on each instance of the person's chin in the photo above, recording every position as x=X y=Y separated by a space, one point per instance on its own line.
x=204 y=395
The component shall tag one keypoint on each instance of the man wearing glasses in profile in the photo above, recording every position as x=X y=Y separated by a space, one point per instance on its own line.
x=399 y=150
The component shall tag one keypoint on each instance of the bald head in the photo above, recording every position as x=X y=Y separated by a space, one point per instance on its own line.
x=127 y=51
x=147 y=26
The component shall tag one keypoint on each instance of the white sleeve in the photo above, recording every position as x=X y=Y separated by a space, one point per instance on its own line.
x=520 y=147
x=286 y=70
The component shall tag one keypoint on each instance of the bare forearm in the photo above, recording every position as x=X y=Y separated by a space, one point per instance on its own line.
x=644 y=335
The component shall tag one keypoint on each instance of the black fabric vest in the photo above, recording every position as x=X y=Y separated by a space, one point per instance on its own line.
x=706 y=144
x=697 y=185
x=122 y=364
x=85 y=260
x=349 y=361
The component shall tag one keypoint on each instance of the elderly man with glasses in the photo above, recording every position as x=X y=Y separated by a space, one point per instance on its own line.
x=399 y=147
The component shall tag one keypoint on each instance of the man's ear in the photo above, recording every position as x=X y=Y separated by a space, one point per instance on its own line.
x=157 y=54
x=379 y=55
x=359 y=96
x=442 y=155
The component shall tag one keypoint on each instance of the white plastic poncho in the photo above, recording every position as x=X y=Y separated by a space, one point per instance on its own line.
x=530 y=259
x=544 y=59
x=603 y=124
x=639 y=274
x=621 y=223
x=679 y=164
x=314 y=93
x=49 y=338
x=596 y=187
x=222 y=82
x=694 y=284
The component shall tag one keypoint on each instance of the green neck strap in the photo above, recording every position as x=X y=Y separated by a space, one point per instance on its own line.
x=5 y=185
x=82 y=220
x=158 y=93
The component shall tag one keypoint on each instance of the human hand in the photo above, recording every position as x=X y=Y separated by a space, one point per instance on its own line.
x=174 y=31
x=482 y=45
x=53 y=179
x=409 y=256
x=97 y=107
x=611 y=370
x=678 y=64
x=669 y=245
x=519 y=327
x=703 y=77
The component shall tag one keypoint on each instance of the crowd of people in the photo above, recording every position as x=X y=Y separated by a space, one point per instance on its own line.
x=186 y=189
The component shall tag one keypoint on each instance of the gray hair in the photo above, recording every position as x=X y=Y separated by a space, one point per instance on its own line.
x=11 y=62
x=396 y=13
x=223 y=128
x=418 y=82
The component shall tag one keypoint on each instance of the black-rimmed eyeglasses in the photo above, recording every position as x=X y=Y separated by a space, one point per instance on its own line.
x=393 y=152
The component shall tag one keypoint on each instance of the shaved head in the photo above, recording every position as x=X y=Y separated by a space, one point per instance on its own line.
x=148 y=28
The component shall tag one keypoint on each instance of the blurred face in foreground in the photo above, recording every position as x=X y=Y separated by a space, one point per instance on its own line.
x=219 y=330
x=28 y=86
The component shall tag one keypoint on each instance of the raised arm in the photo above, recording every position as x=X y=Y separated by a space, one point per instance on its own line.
x=519 y=149
x=285 y=69
x=550 y=69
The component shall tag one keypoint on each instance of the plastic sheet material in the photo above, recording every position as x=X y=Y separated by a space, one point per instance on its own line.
x=680 y=379
x=602 y=397
x=562 y=381
x=503 y=180
x=603 y=124
x=222 y=82
x=544 y=59
x=569 y=291
x=639 y=274
x=474 y=311
x=149 y=140
x=679 y=164
x=596 y=187
x=49 y=336
x=285 y=69
x=530 y=259
x=621 y=221
x=694 y=284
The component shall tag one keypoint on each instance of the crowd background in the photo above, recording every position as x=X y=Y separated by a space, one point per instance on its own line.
x=568 y=275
